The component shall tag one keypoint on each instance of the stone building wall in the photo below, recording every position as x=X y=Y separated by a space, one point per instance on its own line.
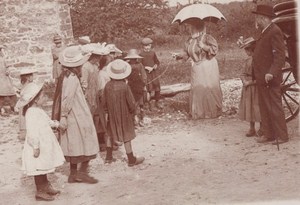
x=27 y=28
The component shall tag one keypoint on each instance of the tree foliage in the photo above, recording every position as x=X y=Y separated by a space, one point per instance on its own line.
x=105 y=20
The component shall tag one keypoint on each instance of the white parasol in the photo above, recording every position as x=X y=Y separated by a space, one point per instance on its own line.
x=205 y=12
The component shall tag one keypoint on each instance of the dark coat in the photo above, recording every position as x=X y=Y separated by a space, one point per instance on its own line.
x=120 y=105
x=269 y=56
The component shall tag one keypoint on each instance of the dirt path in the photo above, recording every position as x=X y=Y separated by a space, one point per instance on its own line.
x=187 y=162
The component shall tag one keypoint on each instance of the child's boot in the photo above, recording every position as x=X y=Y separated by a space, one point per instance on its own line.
x=132 y=160
x=42 y=195
x=73 y=178
x=50 y=190
x=109 y=158
x=251 y=131
x=84 y=176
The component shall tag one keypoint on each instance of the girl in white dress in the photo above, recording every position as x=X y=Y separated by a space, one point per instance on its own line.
x=41 y=152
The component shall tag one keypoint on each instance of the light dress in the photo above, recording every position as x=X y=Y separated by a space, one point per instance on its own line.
x=206 y=94
x=40 y=135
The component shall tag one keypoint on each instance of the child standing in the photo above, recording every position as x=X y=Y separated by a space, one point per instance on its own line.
x=248 y=107
x=151 y=64
x=26 y=77
x=137 y=82
x=7 y=92
x=120 y=105
x=57 y=48
x=41 y=152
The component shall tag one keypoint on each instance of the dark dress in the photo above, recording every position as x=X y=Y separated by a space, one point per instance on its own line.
x=120 y=105
x=137 y=81
x=150 y=59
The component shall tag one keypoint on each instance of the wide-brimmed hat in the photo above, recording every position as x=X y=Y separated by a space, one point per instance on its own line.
x=27 y=71
x=57 y=39
x=73 y=57
x=264 y=10
x=99 y=49
x=147 y=41
x=247 y=42
x=84 y=40
x=113 y=48
x=132 y=54
x=118 y=69
x=28 y=94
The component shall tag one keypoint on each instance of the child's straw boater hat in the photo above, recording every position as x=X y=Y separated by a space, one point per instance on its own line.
x=132 y=54
x=98 y=49
x=118 y=69
x=113 y=49
x=29 y=92
x=84 y=40
x=27 y=71
x=147 y=41
x=73 y=57
x=247 y=42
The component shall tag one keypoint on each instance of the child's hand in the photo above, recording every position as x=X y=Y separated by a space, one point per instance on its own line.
x=36 y=152
x=63 y=124
x=54 y=124
x=155 y=66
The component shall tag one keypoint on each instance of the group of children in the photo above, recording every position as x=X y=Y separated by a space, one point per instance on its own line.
x=98 y=103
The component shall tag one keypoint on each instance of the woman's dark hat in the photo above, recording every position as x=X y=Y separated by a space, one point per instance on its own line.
x=264 y=10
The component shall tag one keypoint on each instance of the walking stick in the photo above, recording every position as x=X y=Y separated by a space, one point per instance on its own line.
x=269 y=95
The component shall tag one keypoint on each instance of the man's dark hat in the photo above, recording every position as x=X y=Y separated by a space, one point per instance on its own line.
x=264 y=10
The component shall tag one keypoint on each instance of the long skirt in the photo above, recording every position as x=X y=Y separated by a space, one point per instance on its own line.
x=206 y=93
x=249 y=107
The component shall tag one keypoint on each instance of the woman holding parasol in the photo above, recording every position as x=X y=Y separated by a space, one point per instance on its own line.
x=201 y=48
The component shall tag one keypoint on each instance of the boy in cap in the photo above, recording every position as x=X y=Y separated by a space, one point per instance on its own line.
x=151 y=64
x=58 y=47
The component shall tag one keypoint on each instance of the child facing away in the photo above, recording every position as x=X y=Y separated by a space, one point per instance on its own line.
x=41 y=152
x=151 y=64
x=248 y=107
x=26 y=77
x=137 y=82
x=120 y=105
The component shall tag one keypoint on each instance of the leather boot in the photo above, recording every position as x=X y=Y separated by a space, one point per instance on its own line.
x=42 y=195
x=73 y=178
x=50 y=190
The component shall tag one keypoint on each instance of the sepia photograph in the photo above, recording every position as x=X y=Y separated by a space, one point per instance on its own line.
x=149 y=102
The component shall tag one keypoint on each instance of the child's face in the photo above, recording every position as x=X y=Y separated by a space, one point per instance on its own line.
x=42 y=99
x=147 y=47
x=249 y=52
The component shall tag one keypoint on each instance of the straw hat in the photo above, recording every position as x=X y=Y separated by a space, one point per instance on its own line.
x=98 y=49
x=147 y=41
x=28 y=93
x=247 y=42
x=264 y=10
x=118 y=69
x=84 y=40
x=113 y=49
x=26 y=71
x=132 y=54
x=73 y=57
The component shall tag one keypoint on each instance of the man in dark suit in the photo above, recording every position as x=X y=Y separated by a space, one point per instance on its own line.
x=268 y=61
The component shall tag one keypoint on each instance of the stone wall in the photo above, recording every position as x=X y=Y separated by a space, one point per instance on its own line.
x=27 y=28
